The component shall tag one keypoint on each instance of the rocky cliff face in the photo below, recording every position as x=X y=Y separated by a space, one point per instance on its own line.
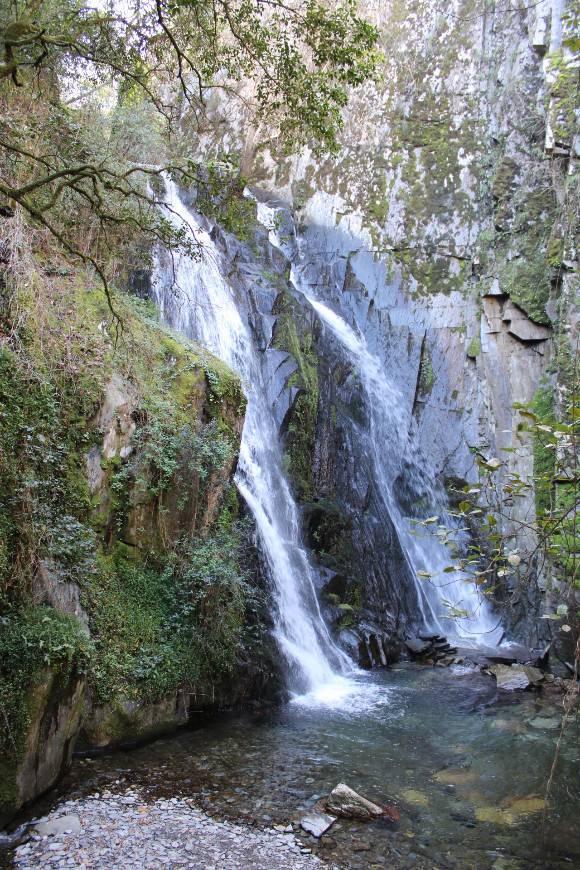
x=443 y=232
x=124 y=602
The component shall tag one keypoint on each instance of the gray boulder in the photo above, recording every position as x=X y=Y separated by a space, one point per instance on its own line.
x=63 y=825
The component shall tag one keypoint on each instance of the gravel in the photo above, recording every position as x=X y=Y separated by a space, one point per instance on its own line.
x=123 y=830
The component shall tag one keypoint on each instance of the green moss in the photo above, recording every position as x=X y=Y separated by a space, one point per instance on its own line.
x=426 y=378
x=379 y=206
x=329 y=533
x=33 y=640
x=474 y=349
x=301 y=434
x=503 y=180
x=230 y=511
x=527 y=281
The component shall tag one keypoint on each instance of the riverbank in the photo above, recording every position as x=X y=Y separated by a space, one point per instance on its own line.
x=126 y=830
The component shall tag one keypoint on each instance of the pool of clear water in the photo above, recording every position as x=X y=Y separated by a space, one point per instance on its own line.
x=466 y=769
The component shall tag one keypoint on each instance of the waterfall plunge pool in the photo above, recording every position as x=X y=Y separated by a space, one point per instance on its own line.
x=466 y=771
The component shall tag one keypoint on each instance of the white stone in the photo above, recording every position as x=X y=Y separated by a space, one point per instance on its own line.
x=64 y=824
x=317 y=824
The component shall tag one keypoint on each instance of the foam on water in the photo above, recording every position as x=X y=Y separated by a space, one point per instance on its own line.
x=352 y=696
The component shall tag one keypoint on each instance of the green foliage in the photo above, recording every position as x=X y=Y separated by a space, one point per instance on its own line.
x=63 y=63
x=544 y=453
x=169 y=621
x=31 y=641
x=221 y=196
x=161 y=452
x=41 y=434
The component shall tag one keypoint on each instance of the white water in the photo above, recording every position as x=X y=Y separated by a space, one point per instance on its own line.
x=196 y=299
x=450 y=603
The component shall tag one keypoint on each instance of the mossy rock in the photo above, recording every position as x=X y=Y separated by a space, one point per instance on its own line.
x=129 y=721
x=294 y=335
x=503 y=181
x=474 y=348
x=165 y=605
x=527 y=280
x=44 y=657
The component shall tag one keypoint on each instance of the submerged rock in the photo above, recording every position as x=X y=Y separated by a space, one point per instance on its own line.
x=416 y=797
x=513 y=677
x=545 y=723
x=456 y=776
x=317 y=824
x=495 y=816
x=527 y=805
x=345 y=802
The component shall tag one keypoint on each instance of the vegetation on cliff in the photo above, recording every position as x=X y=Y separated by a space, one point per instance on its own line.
x=119 y=551
x=120 y=538
x=91 y=101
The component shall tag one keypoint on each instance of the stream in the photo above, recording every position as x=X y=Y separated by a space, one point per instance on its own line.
x=466 y=772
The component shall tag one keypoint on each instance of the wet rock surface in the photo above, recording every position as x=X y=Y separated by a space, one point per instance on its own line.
x=317 y=824
x=123 y=830
x=432 y=649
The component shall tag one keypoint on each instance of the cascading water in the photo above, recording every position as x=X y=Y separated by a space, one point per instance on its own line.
x=449 y=602
x=206 y=311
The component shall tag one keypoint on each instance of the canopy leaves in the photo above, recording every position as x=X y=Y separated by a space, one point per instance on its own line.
x=97 y=100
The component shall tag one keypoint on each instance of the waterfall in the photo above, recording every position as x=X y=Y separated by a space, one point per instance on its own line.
x=195 y=298
x=449 y=602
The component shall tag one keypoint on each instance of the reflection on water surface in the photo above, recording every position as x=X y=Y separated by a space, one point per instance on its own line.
x=467 y=774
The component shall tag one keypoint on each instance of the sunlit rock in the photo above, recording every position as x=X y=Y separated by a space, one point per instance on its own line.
x=513 y=677
x=345 y=802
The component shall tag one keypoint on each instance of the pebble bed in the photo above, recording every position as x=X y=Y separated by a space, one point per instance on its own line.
x=123 y=830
